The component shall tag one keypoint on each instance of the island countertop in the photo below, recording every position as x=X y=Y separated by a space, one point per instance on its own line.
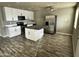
x=35 y=27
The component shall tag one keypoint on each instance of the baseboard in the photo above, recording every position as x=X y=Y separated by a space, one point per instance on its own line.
x=63 y=33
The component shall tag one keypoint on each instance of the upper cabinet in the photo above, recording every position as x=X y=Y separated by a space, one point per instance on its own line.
x=28 y=14
x=24 y=13
x=11 y=14
x=14 y=14
x=8 y=13
x=19 y=12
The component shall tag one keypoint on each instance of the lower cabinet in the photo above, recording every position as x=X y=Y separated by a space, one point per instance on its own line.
x=14 y=31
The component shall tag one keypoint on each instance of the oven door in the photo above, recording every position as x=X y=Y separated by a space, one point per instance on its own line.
x=20 y=23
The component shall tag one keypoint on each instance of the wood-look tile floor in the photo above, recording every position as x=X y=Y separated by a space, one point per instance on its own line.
x=49 y=46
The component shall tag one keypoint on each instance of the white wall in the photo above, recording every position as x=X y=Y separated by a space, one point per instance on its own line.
x=39 y=17
x=65 y=20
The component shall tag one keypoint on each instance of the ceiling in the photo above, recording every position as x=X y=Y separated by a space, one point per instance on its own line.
x=38 y=5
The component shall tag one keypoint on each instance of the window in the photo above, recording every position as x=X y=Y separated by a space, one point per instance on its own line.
x=76 y=18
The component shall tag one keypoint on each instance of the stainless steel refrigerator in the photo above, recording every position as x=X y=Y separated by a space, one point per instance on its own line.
x=50 y=24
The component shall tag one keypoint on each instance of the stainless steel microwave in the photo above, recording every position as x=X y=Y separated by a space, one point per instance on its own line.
x=21 y=17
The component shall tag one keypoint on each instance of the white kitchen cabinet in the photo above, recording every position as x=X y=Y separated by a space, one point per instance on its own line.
x=14 y=31
x=24 y=13
x=15 y=14
x=8 y=13
x=19 y=12
x=11 y=14
x=28 y=14
x=34 y=34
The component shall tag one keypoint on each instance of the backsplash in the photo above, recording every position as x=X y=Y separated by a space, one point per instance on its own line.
x=10 y=22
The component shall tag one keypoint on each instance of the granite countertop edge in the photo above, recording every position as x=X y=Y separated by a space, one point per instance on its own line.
x=35 y=27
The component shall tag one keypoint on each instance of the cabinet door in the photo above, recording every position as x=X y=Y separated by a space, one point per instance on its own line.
x=11 y=32
x=14 y=31
x=15 y=14
x=19 y=12
x=30 y=15
x=18 y=30
x=24 y=13
x=8 y=13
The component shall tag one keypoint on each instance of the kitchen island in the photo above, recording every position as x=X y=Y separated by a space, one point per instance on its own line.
x=34 y=32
